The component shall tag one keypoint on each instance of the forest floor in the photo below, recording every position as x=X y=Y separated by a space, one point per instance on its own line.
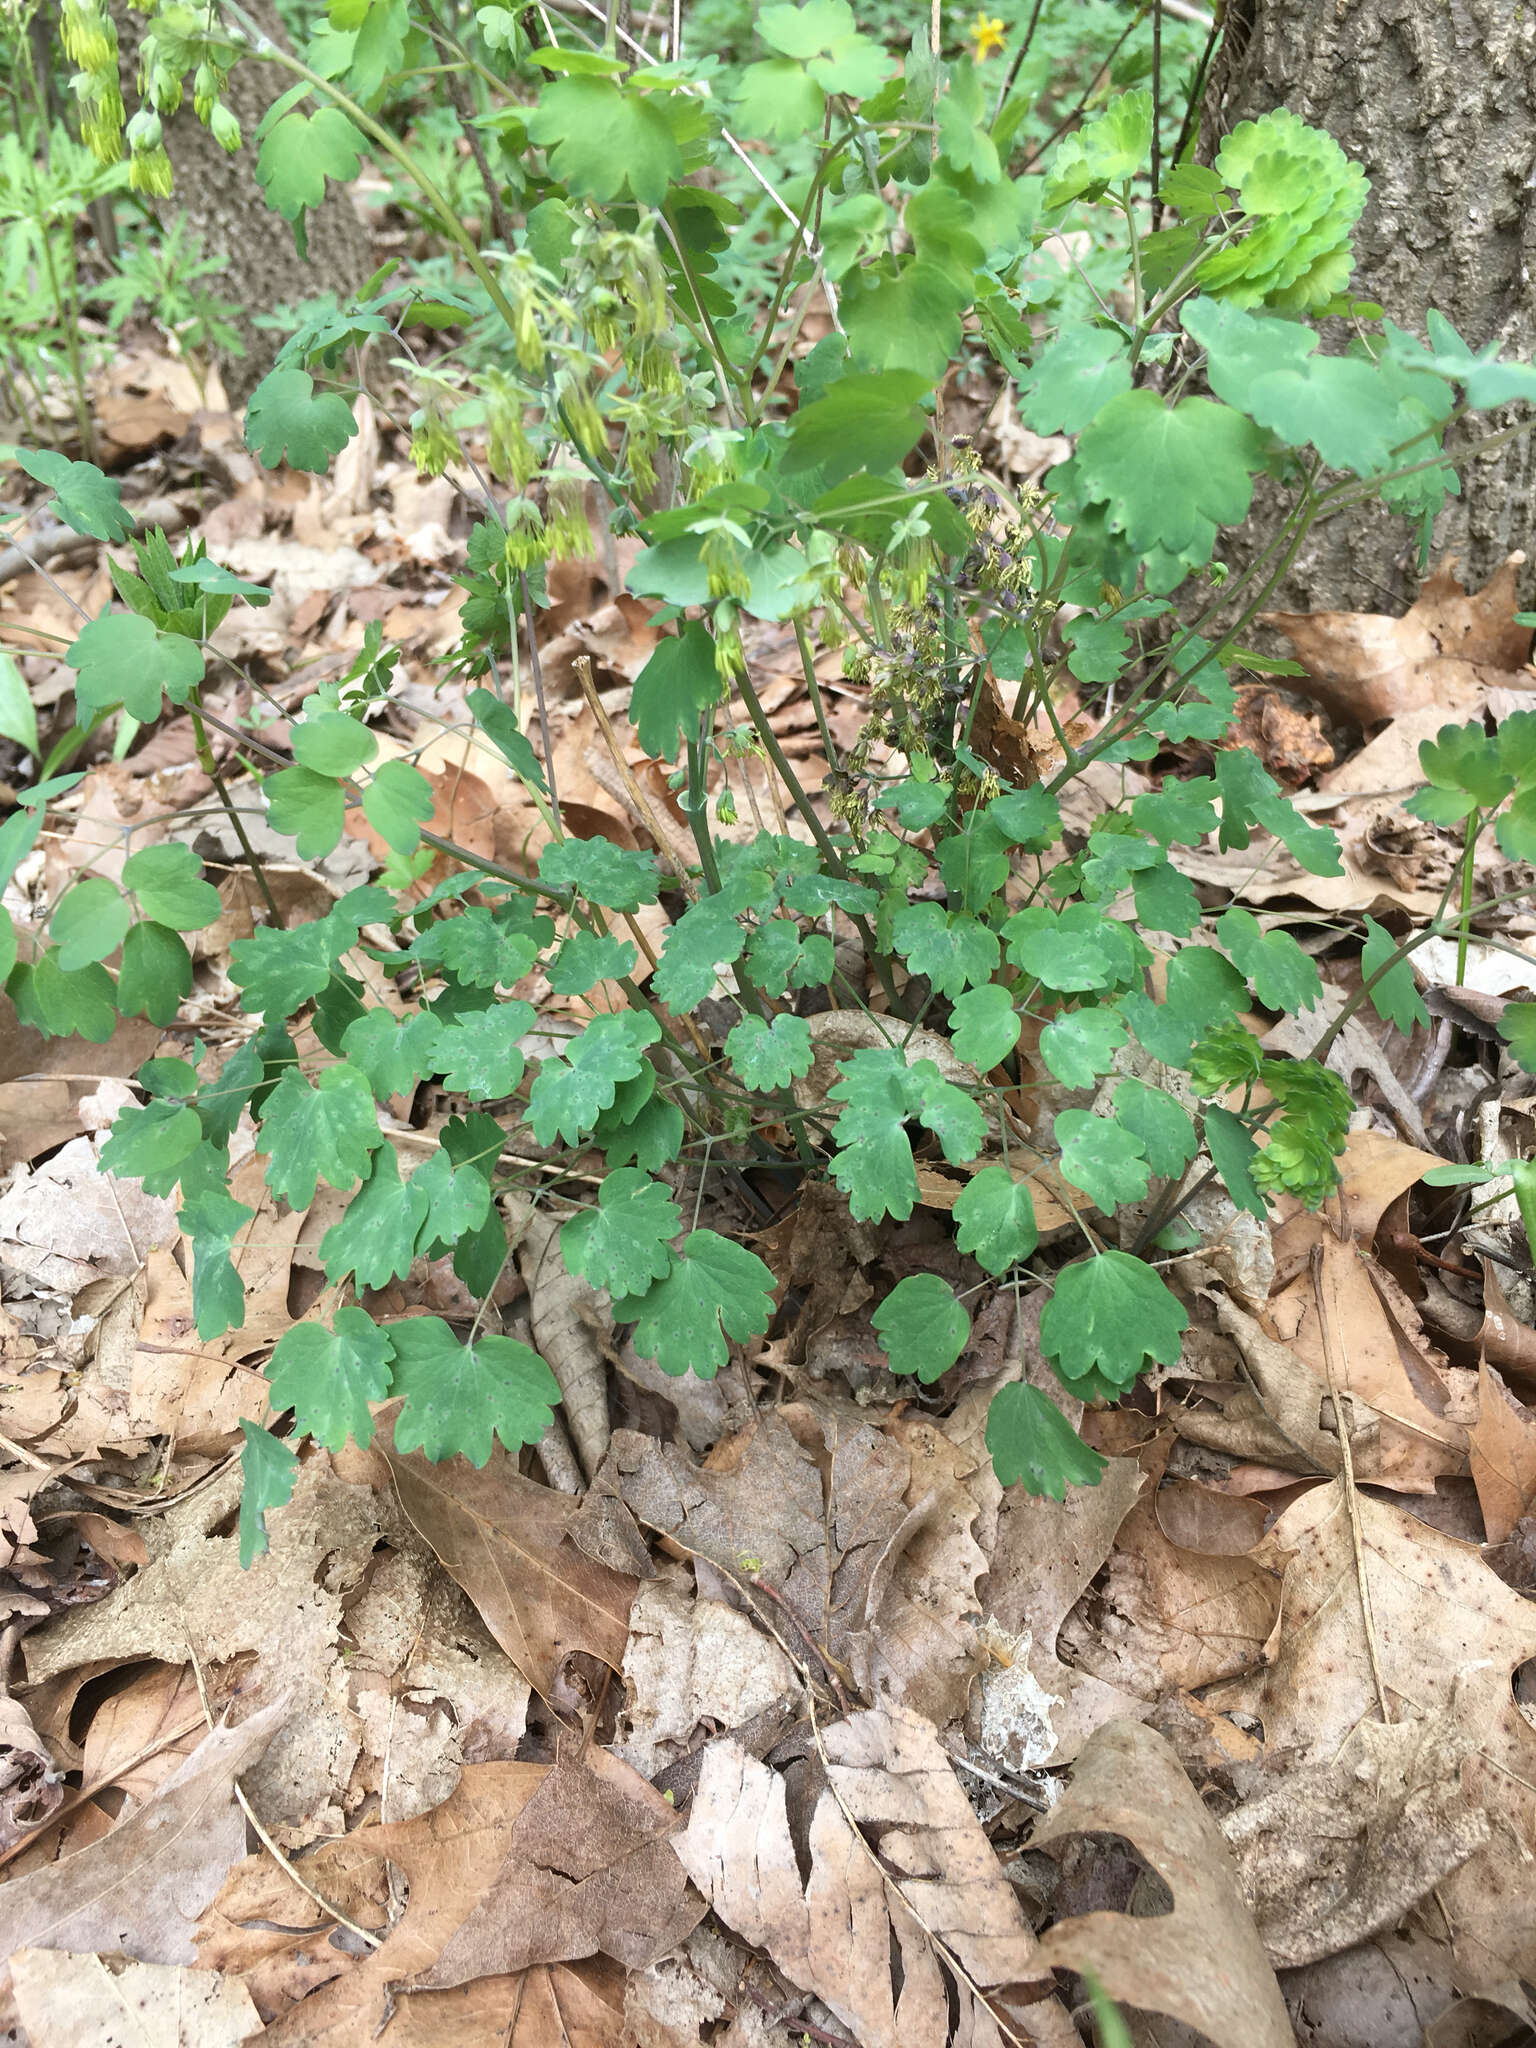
x=793 y=1725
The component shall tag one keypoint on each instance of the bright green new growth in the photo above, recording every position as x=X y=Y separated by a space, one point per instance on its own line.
x=621 y=341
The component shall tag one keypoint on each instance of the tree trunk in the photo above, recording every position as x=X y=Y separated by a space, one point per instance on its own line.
x=1437 y=102
x=220 y=197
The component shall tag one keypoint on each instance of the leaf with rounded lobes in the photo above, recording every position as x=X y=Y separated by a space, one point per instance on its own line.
x=1171 y=475
x=707 y=937
x=715 y=1290
x=1077 y=372
x=331 y=743
x=123 y=659
x=601 y=872
x=1249 y=795
x=1079 y=1045
x=458 y=1198
x=954 y=949
x=777 y=100
x=676 y=687
x=63 y=1005
x=823 y=37
x=298 y=153
x=587 y=958
x=569 y=1094
x=150 y=1143
x=602 y=136
x=1283 y=977
x=1108 y=1162
x=308 y=808
x=1166 y=901
x=882 y=1093
x=921 y=1326
x=1074 y=949
x=1030 y=818
x=211 y=1221
x=286 y=422
x=397 y=802
x=1110 y=1314
x=984 y=1026
x=377 y=1237
x=268 y=1469
x=1517 y=1027
x=394 y=1052
x=280 y=971
x=88 y=502
x=622 y=1244
x=910 y=321
x=91 y=921
x=460 y=1397
x=327 y=1132
x=771 y=1055
x=329 y=1376
x=866 y=421
x=995 y=1215
x=168 y=881
x=1163 y=1125
x=1032 y=1444
x=477 y=1052
x=482 y=948
x=1104 y=151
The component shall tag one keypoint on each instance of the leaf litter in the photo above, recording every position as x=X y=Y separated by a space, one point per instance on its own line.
x=759 y=1704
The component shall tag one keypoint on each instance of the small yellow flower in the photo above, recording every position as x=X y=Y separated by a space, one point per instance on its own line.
x=986 y=32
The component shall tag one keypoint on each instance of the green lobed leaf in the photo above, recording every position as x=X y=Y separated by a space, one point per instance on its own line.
x=1395 y=998
x=377 y=1237
x=953 y=949
x=88 y=502
x=766 y=1056
x=1233 y=1153
x=601 y=872
x=995 y=1215
x=1108 y=1162
x=477 y=1052
x=587 y=958
x=921 y=1326
x=570 y=1093
x=90 y=922
x=1077 y=373
x=984 y=1026
x=287 y=421
x=1283 y=977
x=882 y=1094
x=327 y=1132
x=212 y=1221
x=676 y=687
x=394 y=1052
x=1080 y=1045
x=268 y=1469
x=308 y=808
x=459 y=1397
x=123 y=659
x=331 y=743
x=458 y=1198
x=1109 y=1314
x=1162 y=1124
x=397 y=802
x=714 y=1291
x=1517 y=1027
x=327 y=1377
x=603 y=137
x=169 y=883
x=623 y=1243
x=1170 y=475
x=63 y=1005
x=1032 y=1444
x=149 y=1143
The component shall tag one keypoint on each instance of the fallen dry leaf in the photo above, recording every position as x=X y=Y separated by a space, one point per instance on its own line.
x=141 y=1890
x=692 y=1661
x=874 y=1934
x=1449 y=1637
x=1331 y=1856
x=1503 y=1453
x=1201 y=1963
x=64 y=2000
x=30 y=1787
x=506 y=1541
x=1448 y=647
x=589 y=1870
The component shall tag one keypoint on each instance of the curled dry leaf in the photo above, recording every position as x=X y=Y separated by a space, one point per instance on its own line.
x=875 y=1934
x=1503 y=1448
x=141 y=1889
x=570 y=1322
x=1450 y=646
x=1448 y=1638
x=64 y=2000
x=506 y=1541
x=1202 y=1963
x=30 y=1788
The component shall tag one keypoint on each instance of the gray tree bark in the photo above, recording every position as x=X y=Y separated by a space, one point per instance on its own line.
x=220 y=196
x=1436 y=100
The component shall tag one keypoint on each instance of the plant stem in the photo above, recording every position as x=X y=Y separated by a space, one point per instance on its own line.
x=210 y=768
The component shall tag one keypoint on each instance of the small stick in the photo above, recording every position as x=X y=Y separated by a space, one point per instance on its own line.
x=637 y=796
x=1351 y=1497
